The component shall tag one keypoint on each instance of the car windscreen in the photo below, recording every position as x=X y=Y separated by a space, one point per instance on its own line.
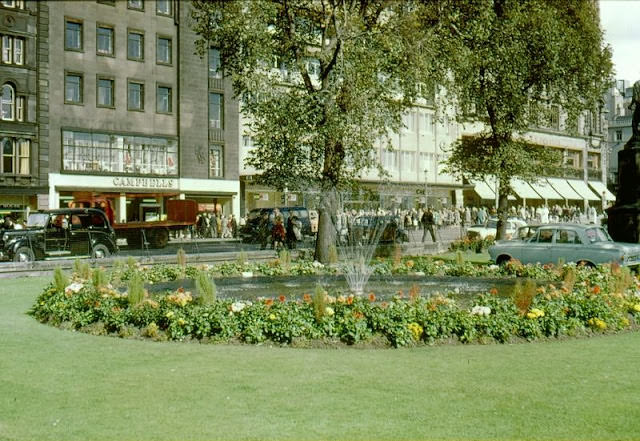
x=37 y=220
x=598 y=235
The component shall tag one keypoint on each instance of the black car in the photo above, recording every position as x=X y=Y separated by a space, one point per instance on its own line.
x=250 y=232
x=73 y=232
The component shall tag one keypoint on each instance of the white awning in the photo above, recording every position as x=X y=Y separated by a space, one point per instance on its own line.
x=545 y=190
x=523 y=189
x=565 y=190
x=583 y=190
x=483 y=190
x=492 y=181
x=600 y=188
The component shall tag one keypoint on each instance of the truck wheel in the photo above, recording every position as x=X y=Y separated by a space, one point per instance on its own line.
x=24 y=254
x=160 y=238
x=100 y=251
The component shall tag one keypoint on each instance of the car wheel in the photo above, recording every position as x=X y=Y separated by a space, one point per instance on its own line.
x=24 y=254
x=159 y=238
x=586 y=263
x=100 y=251
x=502 y=260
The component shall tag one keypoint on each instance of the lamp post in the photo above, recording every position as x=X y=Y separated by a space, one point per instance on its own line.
x=426 y=188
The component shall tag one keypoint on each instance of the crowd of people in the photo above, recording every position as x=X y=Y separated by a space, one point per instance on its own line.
x=211 y=225
x=8 y=223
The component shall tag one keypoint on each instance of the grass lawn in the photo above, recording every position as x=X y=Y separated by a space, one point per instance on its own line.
x=62 y=385
x=468 y=256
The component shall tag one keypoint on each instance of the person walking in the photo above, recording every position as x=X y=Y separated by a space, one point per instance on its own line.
x=427 y=225
x=263 y=230
x=278 y=234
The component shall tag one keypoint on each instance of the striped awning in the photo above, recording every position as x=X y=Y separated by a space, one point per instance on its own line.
x=483 y=190
x=523 y=189
x=601 y=189
x=545 y=190
x=583 y=190
x=564 y=189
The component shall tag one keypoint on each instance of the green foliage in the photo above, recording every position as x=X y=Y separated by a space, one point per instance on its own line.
x=181 y=257
x=135 y=289
x=319 y=301
x=241 y=258
x=284 y=256
x=60 y=281
x=99 y=278
x=81 y=269
x=206 y=288
x=523 y=294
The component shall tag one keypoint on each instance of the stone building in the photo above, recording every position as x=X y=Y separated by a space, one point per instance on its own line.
x=23 y=27
x=619 y=117
x=127 y=119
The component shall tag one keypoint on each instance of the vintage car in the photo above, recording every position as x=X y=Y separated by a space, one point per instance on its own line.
x=64 y=233
x=490 y=228
x=583 y=244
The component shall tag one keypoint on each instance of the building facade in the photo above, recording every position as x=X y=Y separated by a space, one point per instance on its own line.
x=619 y=118
x=23 y=27
x=126 y=116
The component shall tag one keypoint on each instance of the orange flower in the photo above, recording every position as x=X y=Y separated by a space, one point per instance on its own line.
x=358 y=314
x=349 y=300
x=384 y=305
x=282 y=298
x=493 y=291
x=372 y=297
x=268 y=302
x=596 y=289
x=307 y=298
x=400 y=294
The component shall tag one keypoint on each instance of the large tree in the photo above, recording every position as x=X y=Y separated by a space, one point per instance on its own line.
x=514 y=62
x=321 y=83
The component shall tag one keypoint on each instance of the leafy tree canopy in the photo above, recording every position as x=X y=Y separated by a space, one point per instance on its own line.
x=322 y=82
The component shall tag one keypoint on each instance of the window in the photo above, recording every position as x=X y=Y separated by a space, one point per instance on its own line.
x=408 y=161
x=135 y=45
x=113 y=153
x=163 y=100
x=20 y=109
x=135 y=96
x=618 y=135
x=135 y=4
x=12 y=50
x=8 y=103
x=216 y=110
x=593 y=161
x=73 y=88
x=163 y=50
x=215 y=161
x=19 y=4
x=568 y=237
x=544 y=236
x=15 y=156
x=390 y=159
x=426 y=122
x=104 y=40
x=73 y=35
x=214 y=63
x=163 y=7
x=105 y=92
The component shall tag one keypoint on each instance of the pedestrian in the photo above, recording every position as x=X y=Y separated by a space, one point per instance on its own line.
x=234 y=226
x=263 y=230
x=427 y=225
x=290 y=235
x=278 y=234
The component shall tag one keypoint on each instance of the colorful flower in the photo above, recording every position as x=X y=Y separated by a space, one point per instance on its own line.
x=329 y=311
x=416 y=330
x=596 y=289
x=372 y=297
x=272 y=316
x=307 y=298
x=282 y=298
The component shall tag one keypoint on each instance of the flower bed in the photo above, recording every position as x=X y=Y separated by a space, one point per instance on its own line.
x=583 y=301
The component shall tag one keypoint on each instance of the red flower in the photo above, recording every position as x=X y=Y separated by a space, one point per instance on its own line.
x=493 y=291
x=282 y=298
x=596 y=289
x=307 y=298
x=372 y=297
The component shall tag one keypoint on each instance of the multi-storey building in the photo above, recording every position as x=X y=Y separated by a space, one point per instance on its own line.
x=127 y=119
x=619 y=116
x=23 y=26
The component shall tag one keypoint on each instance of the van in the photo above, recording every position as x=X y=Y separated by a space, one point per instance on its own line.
x=250 y=232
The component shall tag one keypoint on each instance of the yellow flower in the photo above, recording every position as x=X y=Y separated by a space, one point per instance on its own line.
x=625 y=321
x=636 y=307
x=272 y=316
x=416 y=330
x=181 y=321
x=169 y=314
x=410 y=263
x=341 y=299
x=535 y=313
x=329 y=311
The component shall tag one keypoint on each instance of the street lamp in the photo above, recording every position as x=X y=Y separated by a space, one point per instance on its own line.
x=426 y=188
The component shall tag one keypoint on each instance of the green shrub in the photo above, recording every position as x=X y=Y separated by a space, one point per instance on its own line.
x=206 y=288
x=99 y=278
x=135 y=290
x=60 y=281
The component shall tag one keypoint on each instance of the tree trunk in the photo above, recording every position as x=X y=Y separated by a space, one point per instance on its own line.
x=503 y=211
x=326 y=236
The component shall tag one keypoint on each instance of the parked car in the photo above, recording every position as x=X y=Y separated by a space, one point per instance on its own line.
x=64 y=233
x=490 y=228
x=250 y=232
x=583 y=244
x=525 y=232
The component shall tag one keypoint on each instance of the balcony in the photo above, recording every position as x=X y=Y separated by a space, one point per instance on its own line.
x=216 y=135
x=216 y=83
x=594 y=174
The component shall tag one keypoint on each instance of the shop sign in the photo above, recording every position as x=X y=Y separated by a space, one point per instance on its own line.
x=293 y=197
x=144 y=182
x=43 y=202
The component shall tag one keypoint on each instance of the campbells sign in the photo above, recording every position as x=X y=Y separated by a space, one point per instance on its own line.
x=127 y=182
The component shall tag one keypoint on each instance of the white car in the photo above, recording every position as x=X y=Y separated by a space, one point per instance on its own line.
x=484 y=231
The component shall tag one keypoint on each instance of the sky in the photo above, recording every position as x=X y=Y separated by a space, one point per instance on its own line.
x=620 y=20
